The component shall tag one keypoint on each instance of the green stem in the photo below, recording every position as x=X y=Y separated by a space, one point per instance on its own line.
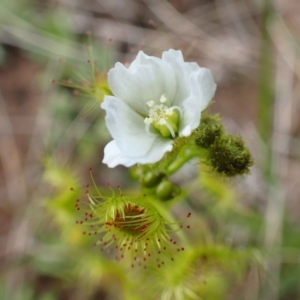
x=266 y=89
x=185 y=156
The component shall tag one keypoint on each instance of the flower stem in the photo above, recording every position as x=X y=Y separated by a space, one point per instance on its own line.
x=184 y=156
x=266 y=94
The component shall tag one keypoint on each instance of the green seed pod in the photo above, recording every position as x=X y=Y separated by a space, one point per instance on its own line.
x=136 y=172
x=230 y=156
x=151 y=179
x=210 y=129
x=167 y=190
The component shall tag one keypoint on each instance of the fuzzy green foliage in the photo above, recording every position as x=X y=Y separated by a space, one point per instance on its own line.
x=230 y=156
x=227 y=154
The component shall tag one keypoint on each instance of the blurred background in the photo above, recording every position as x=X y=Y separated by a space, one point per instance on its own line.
x=46 y=145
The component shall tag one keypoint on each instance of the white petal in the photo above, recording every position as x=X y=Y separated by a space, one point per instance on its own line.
x=173 y=55
x=113 y=156
x=157 y=151
x=191 y=116
x=195 y=89
x=146 y=79
x=191 y=67
x=127 y=127
x=203 y=89
x=184 y=72
x=175 y=59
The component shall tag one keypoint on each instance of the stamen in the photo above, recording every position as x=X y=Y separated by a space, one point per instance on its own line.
x=163 y=99
x=162 y=117
x=148 y=121
x=151 y=103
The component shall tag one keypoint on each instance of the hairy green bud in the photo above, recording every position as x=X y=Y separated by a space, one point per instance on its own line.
x=167 y=190
x=209 y=130
x=230 y=156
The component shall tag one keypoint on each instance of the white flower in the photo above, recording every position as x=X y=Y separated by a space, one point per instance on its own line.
x=155 y=100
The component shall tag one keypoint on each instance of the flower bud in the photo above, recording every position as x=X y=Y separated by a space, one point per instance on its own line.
x=230 y=156
x=210 y=129
x=136 y=172
x=151 y=179
x=167 y=190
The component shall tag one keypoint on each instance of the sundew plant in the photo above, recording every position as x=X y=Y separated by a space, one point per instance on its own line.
x=149 y=149
x=157 y=113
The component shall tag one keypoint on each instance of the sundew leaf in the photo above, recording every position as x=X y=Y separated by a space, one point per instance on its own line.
x=67 y=189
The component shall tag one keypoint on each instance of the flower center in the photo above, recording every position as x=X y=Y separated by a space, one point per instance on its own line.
x=163 y=118
x=133 y=222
